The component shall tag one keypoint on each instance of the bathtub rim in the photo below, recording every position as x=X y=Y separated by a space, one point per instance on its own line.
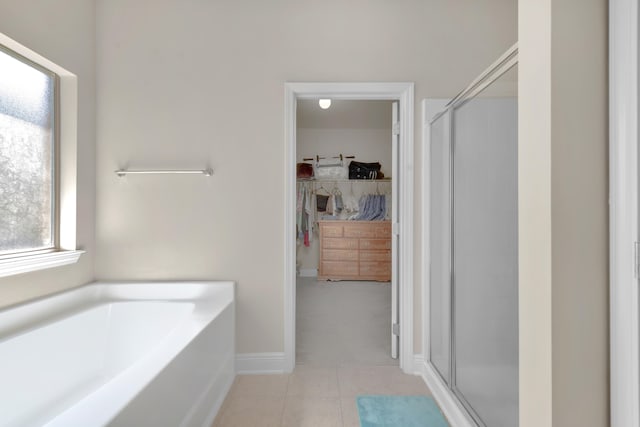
x=77 y=288
x=37 y=312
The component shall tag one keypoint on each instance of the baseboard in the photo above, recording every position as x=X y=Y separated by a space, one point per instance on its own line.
x=456 y=416
x=308 y=272
x=260 y=363
x=418 y=361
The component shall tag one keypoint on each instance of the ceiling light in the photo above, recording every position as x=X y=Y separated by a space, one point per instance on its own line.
x=324 y=103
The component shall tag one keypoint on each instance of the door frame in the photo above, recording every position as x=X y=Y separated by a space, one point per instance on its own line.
x=623 y=213
x=398 y=91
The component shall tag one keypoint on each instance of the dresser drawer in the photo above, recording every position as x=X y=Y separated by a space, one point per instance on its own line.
x=334 y=243
x=359 y=230
x=375 y=268
x=338 y=268
x=383 y=231
x=375 y=244
x=331 y=230
x=339 y=255
x=375 y=256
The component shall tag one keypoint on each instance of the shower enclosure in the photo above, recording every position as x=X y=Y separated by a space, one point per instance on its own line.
x=474 y=246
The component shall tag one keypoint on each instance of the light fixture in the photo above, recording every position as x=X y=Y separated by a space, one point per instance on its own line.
x=324 y=103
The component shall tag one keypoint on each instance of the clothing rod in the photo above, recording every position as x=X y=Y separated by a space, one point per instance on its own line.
x=205 y=172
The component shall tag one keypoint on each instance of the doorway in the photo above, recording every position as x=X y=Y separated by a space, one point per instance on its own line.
x=402 y=225
x=344 y=245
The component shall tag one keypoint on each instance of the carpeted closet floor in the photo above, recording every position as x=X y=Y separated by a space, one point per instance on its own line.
x=343 y=323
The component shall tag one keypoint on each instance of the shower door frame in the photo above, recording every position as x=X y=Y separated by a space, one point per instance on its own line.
x=453 y=403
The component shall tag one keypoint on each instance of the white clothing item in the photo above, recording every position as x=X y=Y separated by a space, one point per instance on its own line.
x=308 y=208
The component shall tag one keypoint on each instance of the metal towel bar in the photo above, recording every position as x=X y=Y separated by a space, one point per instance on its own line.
x=205 y=172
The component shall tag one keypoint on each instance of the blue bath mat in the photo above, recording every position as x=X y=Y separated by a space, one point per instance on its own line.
x=399 y=411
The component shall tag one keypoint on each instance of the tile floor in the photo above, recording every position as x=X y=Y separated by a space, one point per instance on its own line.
x=311 y=396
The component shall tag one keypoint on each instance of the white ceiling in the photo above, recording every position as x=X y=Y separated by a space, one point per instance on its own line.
x=344 y=114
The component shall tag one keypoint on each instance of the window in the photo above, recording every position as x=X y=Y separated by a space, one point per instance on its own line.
x=38 y=161
x=27 y=155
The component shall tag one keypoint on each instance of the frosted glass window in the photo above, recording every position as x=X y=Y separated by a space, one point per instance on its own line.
x=27 y=150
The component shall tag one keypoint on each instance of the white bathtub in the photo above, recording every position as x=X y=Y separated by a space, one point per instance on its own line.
x=118 y=354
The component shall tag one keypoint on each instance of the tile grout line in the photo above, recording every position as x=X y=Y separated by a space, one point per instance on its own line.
x=339 y=398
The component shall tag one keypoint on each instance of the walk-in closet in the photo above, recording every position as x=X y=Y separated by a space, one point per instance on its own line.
x=344 y=212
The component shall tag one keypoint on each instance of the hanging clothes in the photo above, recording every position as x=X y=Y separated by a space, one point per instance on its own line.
x=300 y=195
x=372 y=207
x=309 y=209
x=338 y=205
x=388 y=203
x=350 y=203
x=322 y=201
x=330 y=204
x=304 y=217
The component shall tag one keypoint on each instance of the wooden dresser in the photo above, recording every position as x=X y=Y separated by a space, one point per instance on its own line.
x=355 y=250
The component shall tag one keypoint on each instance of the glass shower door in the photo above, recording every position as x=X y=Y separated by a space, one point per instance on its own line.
x=485 y=253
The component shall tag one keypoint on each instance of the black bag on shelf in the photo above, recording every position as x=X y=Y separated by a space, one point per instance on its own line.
x=359 y=170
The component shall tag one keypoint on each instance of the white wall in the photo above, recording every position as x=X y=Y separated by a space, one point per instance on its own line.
x=563 y=226
x=191 y=83
x=64 y=32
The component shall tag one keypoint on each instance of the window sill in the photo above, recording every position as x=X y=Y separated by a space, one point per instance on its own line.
x=27 y=263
